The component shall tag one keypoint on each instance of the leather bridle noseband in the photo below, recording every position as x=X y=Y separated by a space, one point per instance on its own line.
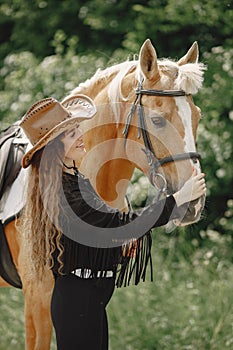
x=152 y=159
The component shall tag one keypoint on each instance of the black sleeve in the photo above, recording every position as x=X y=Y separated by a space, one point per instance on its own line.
x=163 y=211
x=90 y=208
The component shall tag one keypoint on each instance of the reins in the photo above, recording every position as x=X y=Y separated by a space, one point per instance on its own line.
x=152 y=159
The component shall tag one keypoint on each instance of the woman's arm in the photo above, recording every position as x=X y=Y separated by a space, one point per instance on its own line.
x=89 y=207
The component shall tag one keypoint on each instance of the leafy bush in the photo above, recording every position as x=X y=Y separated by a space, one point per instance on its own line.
x=24 y=80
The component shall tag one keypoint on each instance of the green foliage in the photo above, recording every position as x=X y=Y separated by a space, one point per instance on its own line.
x=35 y=25
x=48 y=48
x=25 y=79
x=173 y=24
x=215 y=137
x=215 y=132
x=11 y=319
x=187 y=306
x=12 y=334
x=106 y=26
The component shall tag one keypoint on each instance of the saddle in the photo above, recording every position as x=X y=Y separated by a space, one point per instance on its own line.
x=12 y=148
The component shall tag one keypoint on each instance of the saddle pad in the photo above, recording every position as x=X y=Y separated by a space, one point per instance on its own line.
x=13 y=200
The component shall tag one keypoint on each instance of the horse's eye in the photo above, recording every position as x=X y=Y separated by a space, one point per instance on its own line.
x=158 y=121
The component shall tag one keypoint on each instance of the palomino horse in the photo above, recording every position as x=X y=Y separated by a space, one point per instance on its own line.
x=140 y=104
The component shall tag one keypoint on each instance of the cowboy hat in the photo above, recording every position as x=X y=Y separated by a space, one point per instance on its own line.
x=48 y=118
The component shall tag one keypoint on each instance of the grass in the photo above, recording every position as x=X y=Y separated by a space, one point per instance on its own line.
x=188 y=306
x=12 y=320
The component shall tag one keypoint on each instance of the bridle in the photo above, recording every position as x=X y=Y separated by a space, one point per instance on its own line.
x=152 y=159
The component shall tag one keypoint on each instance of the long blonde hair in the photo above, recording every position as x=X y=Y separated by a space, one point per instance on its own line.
x=39 y=225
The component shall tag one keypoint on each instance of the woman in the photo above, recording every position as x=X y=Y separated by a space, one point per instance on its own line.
x=71 y=231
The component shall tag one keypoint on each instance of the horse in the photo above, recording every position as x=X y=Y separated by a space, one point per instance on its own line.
x=146 y=118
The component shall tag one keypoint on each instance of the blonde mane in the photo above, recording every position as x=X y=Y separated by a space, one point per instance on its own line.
x=187 y=77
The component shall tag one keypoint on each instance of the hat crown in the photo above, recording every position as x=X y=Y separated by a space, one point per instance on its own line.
x=42 y=117
x=48 y=118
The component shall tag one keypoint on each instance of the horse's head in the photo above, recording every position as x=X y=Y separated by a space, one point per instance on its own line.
x=171 y=121
x=171 y=118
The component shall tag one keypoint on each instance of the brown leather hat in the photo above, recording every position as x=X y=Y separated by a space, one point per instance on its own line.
x=48 y=118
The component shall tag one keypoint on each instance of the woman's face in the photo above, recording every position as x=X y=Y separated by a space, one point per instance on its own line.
x=73 y=144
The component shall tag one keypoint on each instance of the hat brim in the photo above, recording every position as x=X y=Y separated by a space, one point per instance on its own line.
x=80 y=108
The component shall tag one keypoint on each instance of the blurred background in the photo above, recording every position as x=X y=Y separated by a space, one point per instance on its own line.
x=48 y=48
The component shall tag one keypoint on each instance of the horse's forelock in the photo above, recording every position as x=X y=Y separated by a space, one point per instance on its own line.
x=168 y=67
x=190 y=77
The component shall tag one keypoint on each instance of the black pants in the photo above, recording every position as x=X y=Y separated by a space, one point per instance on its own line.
x=78 y=312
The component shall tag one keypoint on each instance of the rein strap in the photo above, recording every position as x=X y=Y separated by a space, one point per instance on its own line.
x=172 y=93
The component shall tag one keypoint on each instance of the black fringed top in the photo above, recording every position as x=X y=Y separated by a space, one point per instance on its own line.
x=94 y=242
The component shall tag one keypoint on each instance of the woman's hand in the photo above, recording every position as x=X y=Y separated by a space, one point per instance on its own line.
x=194 y=188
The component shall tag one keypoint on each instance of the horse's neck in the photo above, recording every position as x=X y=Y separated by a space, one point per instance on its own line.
x=106 y=164
x=112 y=181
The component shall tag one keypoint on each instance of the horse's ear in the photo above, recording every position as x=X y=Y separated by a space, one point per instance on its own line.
x=148 y=61
x=191 y=56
